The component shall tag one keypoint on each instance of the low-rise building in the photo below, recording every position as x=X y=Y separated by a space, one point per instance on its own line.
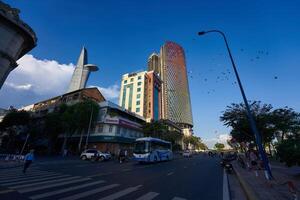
x=116 y=128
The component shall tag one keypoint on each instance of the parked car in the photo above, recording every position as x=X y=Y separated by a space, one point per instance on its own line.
x=187 y=154
x=90 y=153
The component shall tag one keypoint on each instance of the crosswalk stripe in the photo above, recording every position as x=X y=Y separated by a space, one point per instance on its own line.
x=121 y=193
x=178 y=198
x=21 y=174
x=44 y=182
x=52 y=185
x=25 y=177
x=48 y=194
x=34 y=180
x=90 y=192
x=148 y=196
x=6 y=191
x=16 y=172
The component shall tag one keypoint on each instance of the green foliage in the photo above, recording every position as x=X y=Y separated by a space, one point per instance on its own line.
x=154 y=129
x=15 y=118
x=289 y=150
x=219 y=146
x=195 y=141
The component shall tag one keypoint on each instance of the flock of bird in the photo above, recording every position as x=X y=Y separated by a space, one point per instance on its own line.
x=225 y=75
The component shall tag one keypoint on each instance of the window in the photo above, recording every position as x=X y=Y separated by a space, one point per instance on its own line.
x=139 y=77
x=125 y=81
x=137 y=109
x=131 y=80
x=139 y=83
x=110 y=129
x=138 y=102
x=100 y=128
x=139 y=89
x=138 y=96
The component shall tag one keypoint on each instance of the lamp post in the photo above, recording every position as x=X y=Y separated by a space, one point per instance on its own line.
x=261 y=150
x=89 y=128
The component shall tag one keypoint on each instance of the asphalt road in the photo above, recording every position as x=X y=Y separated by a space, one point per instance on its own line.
x=196 y=178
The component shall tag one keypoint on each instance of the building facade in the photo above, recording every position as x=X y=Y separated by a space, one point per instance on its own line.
x=82 y=72
x=133 y=92
x=16 y=39
x=115 y=129
x=175 y=88
x=154 y=63
x=153 y=96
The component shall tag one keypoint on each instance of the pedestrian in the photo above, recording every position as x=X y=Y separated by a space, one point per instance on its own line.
x=29 y=158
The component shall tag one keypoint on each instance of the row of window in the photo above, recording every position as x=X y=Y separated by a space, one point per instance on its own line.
x=110 y=128
x=132 y=79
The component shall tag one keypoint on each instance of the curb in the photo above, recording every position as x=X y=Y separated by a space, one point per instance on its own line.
x=250 y=194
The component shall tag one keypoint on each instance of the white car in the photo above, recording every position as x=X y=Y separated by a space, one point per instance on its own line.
x=187 y=154
x=89 y=153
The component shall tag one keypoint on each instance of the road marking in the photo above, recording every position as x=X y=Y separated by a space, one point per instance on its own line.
x=226 y=195
x=185 y=167
x=48 y=194
x=17 y=182
x=178 y=198
x=26 y=177
x=121 y=193
x=44 y=182
x=101 y=174
x=6 y=191
x=126 y=170
x=170 y=173
x=19 y=172
x=52 y=185
x=23 y=175
x=90 y=192
x=148 y=196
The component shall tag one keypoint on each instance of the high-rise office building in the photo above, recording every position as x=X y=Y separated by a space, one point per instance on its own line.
x=133 y=92
x=154 y=63
x=141 y=93
x=176 y=104
x=153 y=96
x=81 y=72
x=16 y=39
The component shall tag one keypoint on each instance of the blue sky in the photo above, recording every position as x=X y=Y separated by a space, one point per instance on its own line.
x=120 y=35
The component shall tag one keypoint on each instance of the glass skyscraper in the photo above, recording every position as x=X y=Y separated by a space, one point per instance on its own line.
x=176 y=103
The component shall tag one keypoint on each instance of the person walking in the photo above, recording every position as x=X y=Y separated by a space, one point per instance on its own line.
x=29 y=158
x=253 y=160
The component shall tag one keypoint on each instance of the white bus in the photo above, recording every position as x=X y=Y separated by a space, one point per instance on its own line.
x=150 y=149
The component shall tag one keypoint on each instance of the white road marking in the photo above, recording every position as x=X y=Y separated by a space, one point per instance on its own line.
x=26 y=177
x=6 y=191
x=52 y=185
x=148 y=196
x=226 y=195
x=17 y=182
x=101 y=174
x=21 y=173
x=90 y=192
x=121 y=193
x=178 y=198
x=48 y=194
x=170 y=173
x=44 y=182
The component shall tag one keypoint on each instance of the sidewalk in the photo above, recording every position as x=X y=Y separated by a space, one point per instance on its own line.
x=262 y=189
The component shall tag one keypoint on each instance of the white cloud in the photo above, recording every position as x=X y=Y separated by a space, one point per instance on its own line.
x=110 y=93
x=19 y=87
x=222 y=138
x=35 y=80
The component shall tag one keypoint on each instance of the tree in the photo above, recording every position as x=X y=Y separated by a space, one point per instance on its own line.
x=195 y=141
x=53 y=127
x=219 y=146
x=85 y=111
x=286 y=121
x=154 y=129
x=289 y=150
x=16 y=124
x=235 y=116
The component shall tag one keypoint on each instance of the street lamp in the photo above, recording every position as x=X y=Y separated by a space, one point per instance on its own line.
x=89 y=128
x=261 y=150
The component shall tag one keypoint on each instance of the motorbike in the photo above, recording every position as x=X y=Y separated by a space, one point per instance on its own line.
x=227 y=165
